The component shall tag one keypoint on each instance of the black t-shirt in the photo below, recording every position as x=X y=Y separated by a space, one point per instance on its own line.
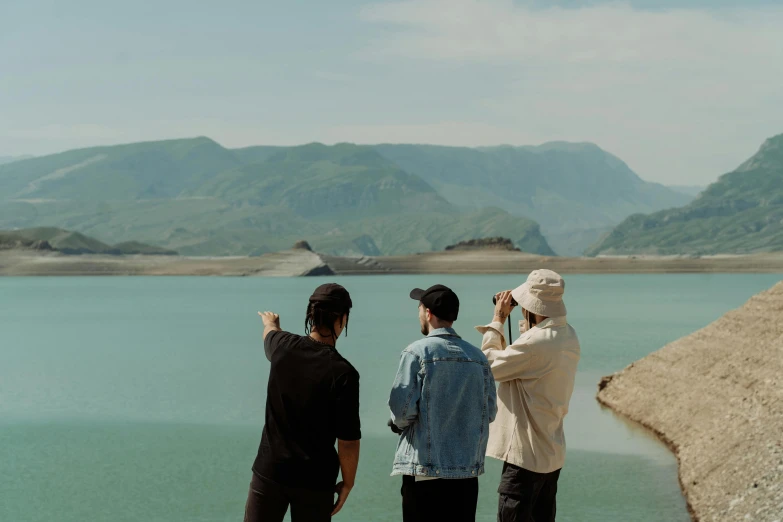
x=312 y=400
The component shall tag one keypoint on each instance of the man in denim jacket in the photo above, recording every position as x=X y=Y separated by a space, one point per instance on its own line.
x=442 y=402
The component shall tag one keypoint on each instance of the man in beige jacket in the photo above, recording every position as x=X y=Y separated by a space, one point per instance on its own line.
x=536 y=379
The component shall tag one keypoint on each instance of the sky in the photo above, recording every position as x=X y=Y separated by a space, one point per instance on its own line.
x=683 y=91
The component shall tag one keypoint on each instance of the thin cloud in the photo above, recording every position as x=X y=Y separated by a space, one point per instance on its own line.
x=677 y=92
x=56 y=131
x=474 y=30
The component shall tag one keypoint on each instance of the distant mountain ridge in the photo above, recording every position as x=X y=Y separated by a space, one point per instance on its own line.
x=740 y=213
x=136 y=171
x=10 y=159
x=576 y=191
x=199 y=198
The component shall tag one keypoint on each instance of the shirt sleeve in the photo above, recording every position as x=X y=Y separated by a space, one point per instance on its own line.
x=492 y=399
x=347 y=407
x=406 y=391
x=507 y=362
x=272 y=342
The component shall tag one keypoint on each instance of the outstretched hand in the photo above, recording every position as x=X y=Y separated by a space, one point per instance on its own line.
x=271 y=323
x=503 y=306
x=270 y=319
x=342 y=490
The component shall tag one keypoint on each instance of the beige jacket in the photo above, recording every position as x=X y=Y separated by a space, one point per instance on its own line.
x=536 y=379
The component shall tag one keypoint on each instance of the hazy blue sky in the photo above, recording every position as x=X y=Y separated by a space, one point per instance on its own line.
x=681 y=90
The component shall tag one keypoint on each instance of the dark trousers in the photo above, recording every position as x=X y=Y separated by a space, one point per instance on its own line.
x=526 y=496
x=268 y=501
x=452 y=500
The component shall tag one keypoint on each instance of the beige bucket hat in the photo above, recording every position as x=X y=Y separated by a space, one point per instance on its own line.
x=542 y=293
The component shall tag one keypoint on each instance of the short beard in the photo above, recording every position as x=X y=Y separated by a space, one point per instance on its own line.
x=425 y=329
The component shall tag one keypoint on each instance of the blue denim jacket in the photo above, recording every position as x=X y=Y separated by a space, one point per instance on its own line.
x=443 y=399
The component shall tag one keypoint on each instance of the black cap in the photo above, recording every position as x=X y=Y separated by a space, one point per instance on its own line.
x=440 y=300
x=332 y=296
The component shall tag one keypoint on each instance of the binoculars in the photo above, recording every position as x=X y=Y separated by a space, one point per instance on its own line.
x=513 y=301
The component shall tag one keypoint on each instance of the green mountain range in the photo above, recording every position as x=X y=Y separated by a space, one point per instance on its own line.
x=576 y=191
x=198 y=198
x=740 y=213
x=73 y=243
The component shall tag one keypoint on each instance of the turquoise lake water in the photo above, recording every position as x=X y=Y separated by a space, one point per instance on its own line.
x=141 y=399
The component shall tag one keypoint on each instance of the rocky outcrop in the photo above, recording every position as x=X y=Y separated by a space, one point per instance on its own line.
x=320 y=270
x=716 y=398
x=489 y=243
x=292 y=263
x=302 y=245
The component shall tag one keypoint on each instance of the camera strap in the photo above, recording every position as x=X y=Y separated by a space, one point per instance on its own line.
x=509 y=330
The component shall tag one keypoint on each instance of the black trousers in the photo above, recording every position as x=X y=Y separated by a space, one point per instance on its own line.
x=268 y=501
x=452 y=500
x=526 y=496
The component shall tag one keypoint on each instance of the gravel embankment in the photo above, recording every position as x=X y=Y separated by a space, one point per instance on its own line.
x=716 y=398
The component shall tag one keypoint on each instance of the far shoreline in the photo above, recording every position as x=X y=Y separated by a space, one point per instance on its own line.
x=302 y=262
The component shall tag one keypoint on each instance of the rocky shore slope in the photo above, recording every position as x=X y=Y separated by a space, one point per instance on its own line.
x=716 y=398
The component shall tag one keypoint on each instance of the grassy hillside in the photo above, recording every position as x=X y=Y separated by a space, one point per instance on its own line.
x=74 y=243
x=568 y=188
x=740 y=213
x=158 y=169
x=201 y=199
x=690 y=190
x=317 y=181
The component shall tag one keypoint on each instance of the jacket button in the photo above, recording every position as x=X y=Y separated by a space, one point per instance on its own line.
x=472 y=472
x=437 y=472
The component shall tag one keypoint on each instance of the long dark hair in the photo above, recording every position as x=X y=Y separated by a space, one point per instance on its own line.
x=530 y=317
x=319 y=316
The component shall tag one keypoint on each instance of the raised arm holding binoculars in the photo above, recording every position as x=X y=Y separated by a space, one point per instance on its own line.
x=536 y=375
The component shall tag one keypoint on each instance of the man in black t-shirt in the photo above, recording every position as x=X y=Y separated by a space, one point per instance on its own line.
x=312 y=402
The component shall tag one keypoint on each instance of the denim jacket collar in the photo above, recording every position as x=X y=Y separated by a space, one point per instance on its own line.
x=444 y=332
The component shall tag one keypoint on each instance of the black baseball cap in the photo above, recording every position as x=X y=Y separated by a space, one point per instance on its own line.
x=440 y=300
x=332 y=296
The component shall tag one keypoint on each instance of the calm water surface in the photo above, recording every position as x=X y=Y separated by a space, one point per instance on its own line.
x=141 y=399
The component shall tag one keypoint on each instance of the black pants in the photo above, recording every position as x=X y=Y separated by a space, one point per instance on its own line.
x=452 y=500
x=526 y=496
x=268 y=501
